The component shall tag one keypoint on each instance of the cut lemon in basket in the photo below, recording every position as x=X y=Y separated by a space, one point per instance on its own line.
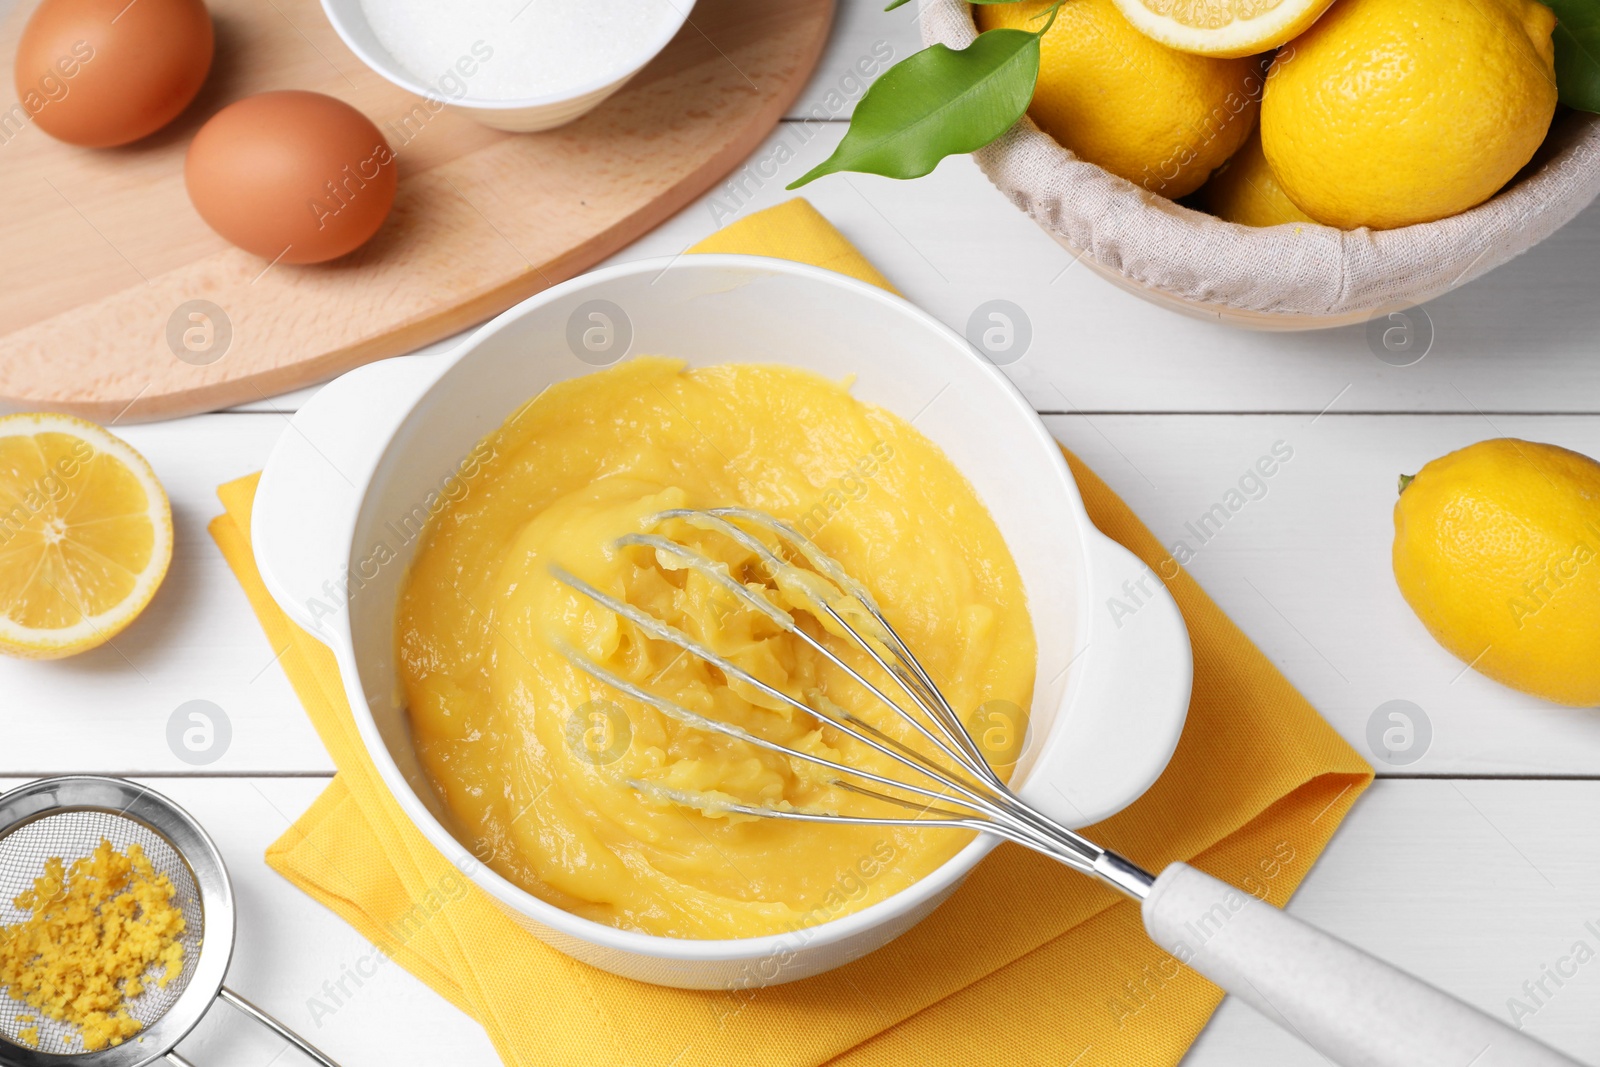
x=85 y=535
x=1226 y=28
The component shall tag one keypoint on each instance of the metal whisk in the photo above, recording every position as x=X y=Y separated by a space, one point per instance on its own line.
x=966 y=793
x=1349 y=1005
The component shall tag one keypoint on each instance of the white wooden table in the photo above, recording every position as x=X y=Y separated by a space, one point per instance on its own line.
x=1476 y=866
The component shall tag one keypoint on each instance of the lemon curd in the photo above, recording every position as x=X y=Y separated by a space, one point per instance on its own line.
x=533 y=758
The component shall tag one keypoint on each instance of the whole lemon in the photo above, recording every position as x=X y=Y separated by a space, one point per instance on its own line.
x=1497 y=550
x=1392 y=112
x=1244 y=190
x=1161 y=118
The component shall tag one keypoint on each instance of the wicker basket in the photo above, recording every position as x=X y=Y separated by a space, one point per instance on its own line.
x=1289 y=277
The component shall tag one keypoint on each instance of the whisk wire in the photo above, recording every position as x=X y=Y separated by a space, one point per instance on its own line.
x=1076 y=853
x=677 y=711
x=975 y=784
x=938 y=711
x=919 y=685
x=908 y=670
x=860 y=730
x=940 y=819
x=718 y=574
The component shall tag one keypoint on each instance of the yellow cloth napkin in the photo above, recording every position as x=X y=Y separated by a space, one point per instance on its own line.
x=1026 y=963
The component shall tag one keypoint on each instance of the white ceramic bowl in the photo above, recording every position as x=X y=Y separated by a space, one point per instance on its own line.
x=369 y=455
x=524 y=115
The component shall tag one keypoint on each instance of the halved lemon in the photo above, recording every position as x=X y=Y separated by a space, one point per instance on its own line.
x=1224 y=28
x=85 y=535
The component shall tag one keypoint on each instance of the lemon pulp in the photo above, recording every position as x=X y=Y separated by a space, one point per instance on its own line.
x=85 y=535
x=1222 y=27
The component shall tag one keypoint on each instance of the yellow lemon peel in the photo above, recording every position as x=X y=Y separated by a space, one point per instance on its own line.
x=93 y=933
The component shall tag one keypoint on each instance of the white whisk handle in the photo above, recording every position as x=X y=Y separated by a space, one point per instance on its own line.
x=1352 y=1007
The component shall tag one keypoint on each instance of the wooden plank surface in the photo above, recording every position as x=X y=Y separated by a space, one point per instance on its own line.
x=1303 y=566
x=1476 y=866
x=198 y=640
x=1519 y=339
x=1303 y=569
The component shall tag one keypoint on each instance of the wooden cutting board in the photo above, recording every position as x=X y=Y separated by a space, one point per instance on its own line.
x=102 y=256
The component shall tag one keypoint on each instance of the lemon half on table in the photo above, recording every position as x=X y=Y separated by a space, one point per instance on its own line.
x=1223 y=28
x=85 y=535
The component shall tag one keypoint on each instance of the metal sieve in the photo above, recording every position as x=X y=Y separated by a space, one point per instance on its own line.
x=69 y=817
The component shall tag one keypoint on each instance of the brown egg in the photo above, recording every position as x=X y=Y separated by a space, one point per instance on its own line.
x=292 y=176
x=106 y=72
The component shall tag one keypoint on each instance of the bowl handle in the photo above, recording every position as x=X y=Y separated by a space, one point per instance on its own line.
x=1131 y=697
x=305 y=507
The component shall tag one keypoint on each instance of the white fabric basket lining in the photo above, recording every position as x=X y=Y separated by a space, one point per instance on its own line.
x=1279 y=277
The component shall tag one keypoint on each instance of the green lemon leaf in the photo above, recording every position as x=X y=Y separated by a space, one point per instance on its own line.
x=1577 y=40
x=935 y=103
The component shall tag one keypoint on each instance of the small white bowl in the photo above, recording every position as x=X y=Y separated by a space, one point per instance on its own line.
x=367 y=457
x=525 y=115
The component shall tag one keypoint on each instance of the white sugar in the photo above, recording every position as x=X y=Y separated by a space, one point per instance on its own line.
x=516 y=49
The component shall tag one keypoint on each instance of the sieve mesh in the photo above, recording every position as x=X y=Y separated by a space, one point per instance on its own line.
x=72 y=835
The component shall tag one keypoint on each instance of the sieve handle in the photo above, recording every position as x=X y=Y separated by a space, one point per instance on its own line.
x=268 y=1021
x=1352 y=1007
